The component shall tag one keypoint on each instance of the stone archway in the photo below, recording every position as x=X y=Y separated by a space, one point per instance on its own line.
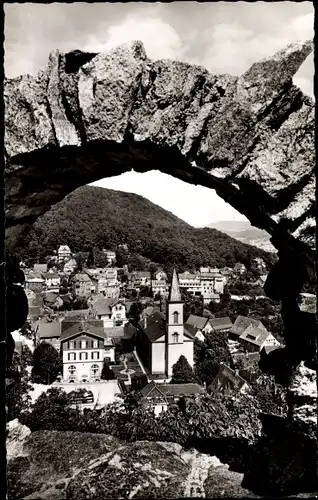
x=89 y=116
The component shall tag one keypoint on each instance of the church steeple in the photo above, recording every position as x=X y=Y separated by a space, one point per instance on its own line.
x=175 y=295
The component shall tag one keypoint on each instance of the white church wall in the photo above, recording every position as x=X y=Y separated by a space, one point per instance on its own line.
x=158 y=357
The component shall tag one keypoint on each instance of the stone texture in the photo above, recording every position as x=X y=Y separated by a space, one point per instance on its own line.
x=17 y=434
x=88 y=116
x=73 y=465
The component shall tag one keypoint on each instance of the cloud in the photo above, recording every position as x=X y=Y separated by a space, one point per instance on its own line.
x=159 y=38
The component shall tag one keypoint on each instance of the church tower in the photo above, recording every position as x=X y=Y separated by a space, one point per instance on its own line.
x=174 y=325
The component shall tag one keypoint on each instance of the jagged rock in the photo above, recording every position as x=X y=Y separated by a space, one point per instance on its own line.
x=88 y=116
x=17 y=434
x=73 y=465
x=303 y=396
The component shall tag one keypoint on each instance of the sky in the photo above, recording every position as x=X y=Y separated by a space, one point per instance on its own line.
x=224 y=37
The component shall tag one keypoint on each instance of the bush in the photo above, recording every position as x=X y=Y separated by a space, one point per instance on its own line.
x=182 y=372
x=46 y=364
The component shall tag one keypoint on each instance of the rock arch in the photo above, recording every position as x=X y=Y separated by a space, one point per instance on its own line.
x=88 y=116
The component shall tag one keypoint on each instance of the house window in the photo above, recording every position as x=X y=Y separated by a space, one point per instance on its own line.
x=175 y=337
x=95 y=355
x=175 y=317
x=83 y=355
x=95 y=370
x=95 y=344
x=83 y=344
x=71 y=356
x=71 y=345
x=72 y=370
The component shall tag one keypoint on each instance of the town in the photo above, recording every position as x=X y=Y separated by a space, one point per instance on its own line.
x=115 y=330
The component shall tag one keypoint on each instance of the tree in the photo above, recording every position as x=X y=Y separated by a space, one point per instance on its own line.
x=18 y=399
x=26 y=355
x=53 y=411
x=182 y=372
x=206 y=371
x=47 y=364
x=107 y=372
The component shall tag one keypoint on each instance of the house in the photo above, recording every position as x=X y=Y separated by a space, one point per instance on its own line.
x=53 y=300
x=159 y=287
x=241 y=324
x=63 y=253
x=111 y=311
x=49 y=331
x=159 y=396
x=160 y=275
x=210 y=297
x=34 y=281
x=239 y=268
x=190 y=283
x=226 y=273
x=141 y=278
x=162 y=337
x=228 y=381
x=70 y=266
x=84 y=347
x=199 y=322
x=253 y=339
x=83 y=285
x=110 y=256
x=52 y=280
x=40 y=268
x=221 y=324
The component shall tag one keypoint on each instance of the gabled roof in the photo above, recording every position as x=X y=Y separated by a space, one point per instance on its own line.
x=104 y=305
x=188 y=334
x=83 y=327
x=242 y=322
x=156 y=326
x=82 y=277
x=197 y=321
x=175 y=295
x=49 y=330
x=175 y=390
x=70 y=321
x=192 y=330
x=64 y=248
x=227 y=379
x=142 y=274
x=255 y=336
x=221 y=323
x=180 y=390
x=129 y=331
x=188 y=276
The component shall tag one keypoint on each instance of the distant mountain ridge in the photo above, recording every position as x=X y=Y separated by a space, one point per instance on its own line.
x=246 y=233
x=96 y=217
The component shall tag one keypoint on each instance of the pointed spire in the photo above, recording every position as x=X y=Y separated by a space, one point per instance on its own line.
x=175 y=295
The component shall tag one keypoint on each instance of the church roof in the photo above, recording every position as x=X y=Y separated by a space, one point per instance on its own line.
x=175 y=295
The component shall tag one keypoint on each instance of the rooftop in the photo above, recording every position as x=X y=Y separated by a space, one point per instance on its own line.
x=175 y=295
x=49 y=330
x=197 y=321
x=243 y=322
x=221 y=323
x=254 y=335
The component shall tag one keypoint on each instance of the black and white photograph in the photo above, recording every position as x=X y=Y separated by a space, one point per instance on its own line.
x=160 y=334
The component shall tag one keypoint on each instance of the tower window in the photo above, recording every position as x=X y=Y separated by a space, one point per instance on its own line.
x=176 y=317
x=175 y=337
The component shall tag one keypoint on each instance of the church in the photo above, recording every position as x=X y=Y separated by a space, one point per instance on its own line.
x=162 y=337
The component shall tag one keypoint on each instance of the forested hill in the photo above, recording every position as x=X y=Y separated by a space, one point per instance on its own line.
x=94 y=217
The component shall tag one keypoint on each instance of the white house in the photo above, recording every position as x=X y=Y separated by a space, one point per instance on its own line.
x=159 y=286
x=84 y=347
x=190 y=283
x=110 y=256
x=70 y=266
x=111 y=311
x=64 y=253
